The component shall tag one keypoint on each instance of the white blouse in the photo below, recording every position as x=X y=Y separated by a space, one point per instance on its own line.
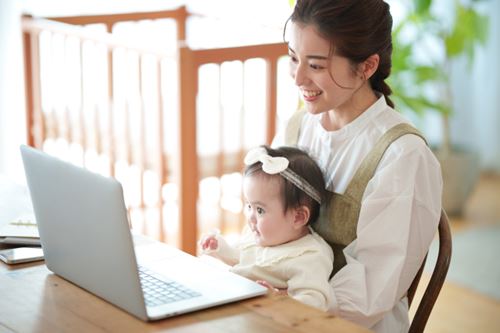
x=398 y=219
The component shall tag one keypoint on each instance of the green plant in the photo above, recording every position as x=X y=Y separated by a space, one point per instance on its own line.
x=424 y=44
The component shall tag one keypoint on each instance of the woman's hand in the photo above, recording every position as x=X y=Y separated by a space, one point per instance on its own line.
x=271 y=287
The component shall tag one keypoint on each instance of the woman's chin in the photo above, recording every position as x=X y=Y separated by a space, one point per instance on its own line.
x=313 y=108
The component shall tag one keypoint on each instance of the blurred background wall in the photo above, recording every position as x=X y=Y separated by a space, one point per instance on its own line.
x=476 y=122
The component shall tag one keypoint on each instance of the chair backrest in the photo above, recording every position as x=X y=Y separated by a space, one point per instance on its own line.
x=437 y=278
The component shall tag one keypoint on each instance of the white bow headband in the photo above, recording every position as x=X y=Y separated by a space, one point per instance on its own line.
x=273 y=165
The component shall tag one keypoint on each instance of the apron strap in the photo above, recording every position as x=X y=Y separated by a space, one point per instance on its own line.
x=366 y=170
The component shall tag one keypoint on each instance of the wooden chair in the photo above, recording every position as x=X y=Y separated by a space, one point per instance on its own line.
x=437 y=278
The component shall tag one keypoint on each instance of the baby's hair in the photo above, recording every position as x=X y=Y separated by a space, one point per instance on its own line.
x=303 y=165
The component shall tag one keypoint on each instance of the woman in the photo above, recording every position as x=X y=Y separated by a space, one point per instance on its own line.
x=340 y=55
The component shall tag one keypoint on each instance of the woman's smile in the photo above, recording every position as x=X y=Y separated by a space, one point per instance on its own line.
x=311 y=95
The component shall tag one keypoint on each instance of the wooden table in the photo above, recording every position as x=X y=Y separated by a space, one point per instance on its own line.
x=34 y=299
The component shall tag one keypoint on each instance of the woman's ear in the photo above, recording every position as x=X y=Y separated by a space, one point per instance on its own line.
x=301 y=216
x=369 y=66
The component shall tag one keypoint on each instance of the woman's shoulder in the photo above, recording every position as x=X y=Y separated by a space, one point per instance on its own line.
x=410 y=142
x=390 y=119
x=410 y=147
x=408 y=154
x=401 y=150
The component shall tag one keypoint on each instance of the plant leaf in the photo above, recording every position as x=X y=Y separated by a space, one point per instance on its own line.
x=422 y=6
x=428 y=73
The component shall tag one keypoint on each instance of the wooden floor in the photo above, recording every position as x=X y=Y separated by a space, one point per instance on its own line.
x=459 y=309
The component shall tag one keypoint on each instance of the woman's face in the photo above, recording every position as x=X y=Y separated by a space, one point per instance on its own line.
x=312 y=67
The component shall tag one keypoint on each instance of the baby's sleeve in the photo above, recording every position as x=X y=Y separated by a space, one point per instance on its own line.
x=308 y=279
x=226 y=252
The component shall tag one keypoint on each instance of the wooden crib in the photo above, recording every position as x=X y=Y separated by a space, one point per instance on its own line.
x=136 y=112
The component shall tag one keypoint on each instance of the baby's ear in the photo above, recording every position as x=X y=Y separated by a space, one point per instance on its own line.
x=301 y=216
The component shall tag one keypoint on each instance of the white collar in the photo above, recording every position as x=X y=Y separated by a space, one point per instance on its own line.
x=355 y=126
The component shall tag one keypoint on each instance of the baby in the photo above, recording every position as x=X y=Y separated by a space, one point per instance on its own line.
x=283 y=190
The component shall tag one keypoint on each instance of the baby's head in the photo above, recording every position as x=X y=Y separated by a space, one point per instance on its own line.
x=283 y=189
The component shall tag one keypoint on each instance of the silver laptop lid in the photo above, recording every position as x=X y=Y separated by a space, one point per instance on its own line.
x=84 y=229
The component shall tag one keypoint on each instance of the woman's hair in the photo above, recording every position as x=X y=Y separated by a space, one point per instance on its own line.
x=304 y=166
x=356 y=29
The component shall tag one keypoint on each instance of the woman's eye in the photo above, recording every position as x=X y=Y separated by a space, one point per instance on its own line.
x=293 y=58
x=316 y=67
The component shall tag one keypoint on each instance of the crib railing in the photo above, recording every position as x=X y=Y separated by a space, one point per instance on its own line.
x=189 y=61
x=179 y=15
x=135 y=109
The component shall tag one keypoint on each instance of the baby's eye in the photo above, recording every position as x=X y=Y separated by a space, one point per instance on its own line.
x=260 y=211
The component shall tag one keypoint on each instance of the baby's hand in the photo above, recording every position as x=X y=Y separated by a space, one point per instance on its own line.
x=271 y=287
x=209 y=243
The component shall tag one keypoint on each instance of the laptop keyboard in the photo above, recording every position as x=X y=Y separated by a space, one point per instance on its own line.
x=158 y=290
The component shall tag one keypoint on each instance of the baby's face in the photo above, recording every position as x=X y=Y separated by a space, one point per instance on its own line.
x=264 y=211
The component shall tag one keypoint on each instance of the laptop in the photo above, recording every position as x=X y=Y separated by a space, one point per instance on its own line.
x=85 y=236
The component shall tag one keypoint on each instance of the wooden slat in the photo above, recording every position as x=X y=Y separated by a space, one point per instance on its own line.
x=29 y=76
x=111 y=110
x=272 y=97
x=220 y=156
x=188 y=166
x=81 y=116
x=179 y=14
x=241 y=152
x=107 y=40
x=142 y=141
x=97 y=130
x=35 y=120
x=162 y=172
x=242 y=53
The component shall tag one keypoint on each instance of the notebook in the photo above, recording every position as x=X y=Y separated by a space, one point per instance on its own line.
x=85 y=236
x=17 y=221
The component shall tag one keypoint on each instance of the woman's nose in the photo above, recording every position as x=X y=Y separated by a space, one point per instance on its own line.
x=298 y=74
